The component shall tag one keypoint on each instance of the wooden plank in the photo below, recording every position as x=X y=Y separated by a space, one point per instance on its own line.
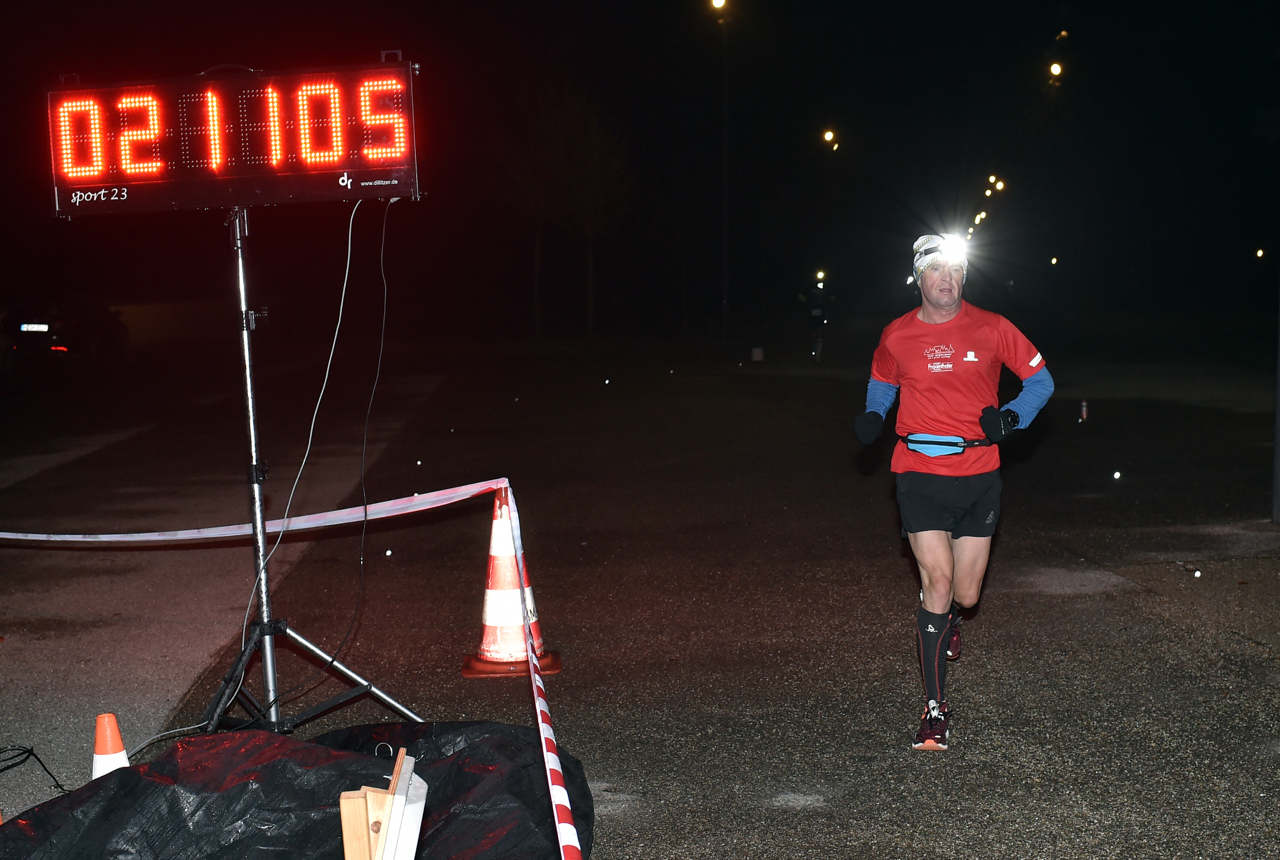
x=354 y=809
x=397 y=770
x=370 y=815
x=378 y=802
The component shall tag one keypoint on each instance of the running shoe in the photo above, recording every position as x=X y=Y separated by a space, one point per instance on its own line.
x=935 y=728
x=953 y=641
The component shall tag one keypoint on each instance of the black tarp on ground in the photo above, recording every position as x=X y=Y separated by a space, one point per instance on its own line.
x=251 y=794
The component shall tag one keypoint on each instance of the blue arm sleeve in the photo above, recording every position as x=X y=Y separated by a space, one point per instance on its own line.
x=1036 y=390
x=880 y=396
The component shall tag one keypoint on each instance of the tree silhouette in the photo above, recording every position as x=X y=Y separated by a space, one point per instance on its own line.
x=596 y=182
x=564 y=165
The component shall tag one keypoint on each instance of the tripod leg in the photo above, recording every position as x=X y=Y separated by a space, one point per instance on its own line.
x=316 y=652
x=231 y=682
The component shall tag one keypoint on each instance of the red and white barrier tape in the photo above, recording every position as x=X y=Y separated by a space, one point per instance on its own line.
x=376 y=511
x=562 y=809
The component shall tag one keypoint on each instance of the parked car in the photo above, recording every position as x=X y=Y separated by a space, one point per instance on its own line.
x=76 y=332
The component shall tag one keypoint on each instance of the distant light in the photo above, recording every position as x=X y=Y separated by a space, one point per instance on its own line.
x=991 y=179
x=982 y=214
x=970 y=229
x=911 y=279
x=1061 y=35
x=977 y=219
x=1055 y=69
x=834 y=147
x=45 y=327
x=1197 y=574
x=58 y=348
x=1000 y=185
x=1053 y=261
x=988 y=192
x=1259 y=252
x=819 y=284
x=1116 y=475
x=388 y=552
x=829 y=136
x=717 y=4
x=821 y=275
x=967 y=238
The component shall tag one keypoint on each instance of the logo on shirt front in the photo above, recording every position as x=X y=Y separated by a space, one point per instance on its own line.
x=935 y=352
x=970 y=357
x=939 y=367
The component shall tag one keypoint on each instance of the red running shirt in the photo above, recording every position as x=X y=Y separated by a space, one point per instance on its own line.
x=947 y=373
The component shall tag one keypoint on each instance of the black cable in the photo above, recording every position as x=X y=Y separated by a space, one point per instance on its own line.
x=13 y=756
x=364 y=497
x=149 y=741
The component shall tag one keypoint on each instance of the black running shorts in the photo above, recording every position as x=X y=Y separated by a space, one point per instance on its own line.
x=968 y=506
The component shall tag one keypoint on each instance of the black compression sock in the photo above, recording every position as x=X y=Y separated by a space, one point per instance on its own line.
x=931 y=632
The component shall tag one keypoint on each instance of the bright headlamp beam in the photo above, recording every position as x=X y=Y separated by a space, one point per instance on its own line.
x=953 y=249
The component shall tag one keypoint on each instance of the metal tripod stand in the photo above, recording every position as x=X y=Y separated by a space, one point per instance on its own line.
x=262 y=632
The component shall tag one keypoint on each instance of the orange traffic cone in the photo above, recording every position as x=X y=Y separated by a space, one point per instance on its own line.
x=108 y=747
x=502 y=652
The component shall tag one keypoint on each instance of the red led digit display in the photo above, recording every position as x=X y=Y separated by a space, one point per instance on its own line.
x=234 y=140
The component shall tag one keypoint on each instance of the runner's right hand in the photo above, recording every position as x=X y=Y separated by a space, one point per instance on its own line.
x=867 y=427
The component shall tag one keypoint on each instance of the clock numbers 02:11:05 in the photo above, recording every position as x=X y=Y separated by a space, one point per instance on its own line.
x=312 y=127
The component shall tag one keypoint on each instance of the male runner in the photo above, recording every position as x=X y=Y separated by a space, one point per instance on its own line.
x=944 y=358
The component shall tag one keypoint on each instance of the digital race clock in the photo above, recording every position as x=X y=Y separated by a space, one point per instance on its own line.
x=236 y=139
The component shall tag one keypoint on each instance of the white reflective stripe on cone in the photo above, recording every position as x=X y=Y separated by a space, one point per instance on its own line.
x=104 y=764
x=501 y=543
x=502 y=608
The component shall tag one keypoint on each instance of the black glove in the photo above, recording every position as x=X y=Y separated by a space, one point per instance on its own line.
x=867 y=427
x=997 y=424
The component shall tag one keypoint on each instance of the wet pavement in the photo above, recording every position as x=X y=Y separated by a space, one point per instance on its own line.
x=720 y=567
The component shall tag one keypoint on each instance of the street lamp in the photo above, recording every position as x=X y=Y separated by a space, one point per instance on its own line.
x=721 y=7
x=1055 y=69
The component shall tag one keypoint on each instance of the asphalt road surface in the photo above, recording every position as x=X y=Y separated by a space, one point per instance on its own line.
x=719 y=564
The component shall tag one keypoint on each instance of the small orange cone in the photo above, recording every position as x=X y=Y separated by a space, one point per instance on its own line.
x=502 y=651
x=108 y=747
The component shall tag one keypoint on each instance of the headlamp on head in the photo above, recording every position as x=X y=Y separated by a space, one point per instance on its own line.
x=931 y=248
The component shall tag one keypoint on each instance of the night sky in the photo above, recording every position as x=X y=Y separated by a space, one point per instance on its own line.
x=1149 y=170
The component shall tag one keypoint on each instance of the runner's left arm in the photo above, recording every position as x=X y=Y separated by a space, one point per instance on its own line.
x=880 y=396
x=1036 y=391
